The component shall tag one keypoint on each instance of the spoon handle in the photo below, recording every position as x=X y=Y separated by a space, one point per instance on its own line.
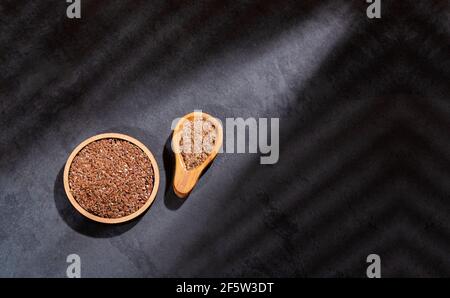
x=184 y=181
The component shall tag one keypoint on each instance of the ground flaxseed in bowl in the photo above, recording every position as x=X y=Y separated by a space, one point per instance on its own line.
x=111 y=178
x=197 y=140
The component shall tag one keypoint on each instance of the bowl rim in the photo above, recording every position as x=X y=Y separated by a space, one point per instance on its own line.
x=96 y=218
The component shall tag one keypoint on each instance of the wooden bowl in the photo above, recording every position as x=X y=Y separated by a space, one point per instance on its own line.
x=185 y=180
x=119 y=219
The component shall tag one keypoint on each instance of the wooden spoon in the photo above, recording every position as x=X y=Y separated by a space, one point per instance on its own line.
x=185 y=180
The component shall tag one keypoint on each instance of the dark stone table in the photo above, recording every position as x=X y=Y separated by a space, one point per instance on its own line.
x=364 y=109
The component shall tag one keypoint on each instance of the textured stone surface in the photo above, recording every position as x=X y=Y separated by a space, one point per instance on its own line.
x=363 y=107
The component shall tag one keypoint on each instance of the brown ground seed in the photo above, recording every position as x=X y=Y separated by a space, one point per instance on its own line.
x=111 y=178
x=197 y=141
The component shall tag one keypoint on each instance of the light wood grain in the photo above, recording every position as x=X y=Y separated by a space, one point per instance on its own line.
x=102 y=219
x=185 y=180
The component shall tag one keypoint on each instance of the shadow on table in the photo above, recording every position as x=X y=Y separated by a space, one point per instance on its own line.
x=171 y=201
